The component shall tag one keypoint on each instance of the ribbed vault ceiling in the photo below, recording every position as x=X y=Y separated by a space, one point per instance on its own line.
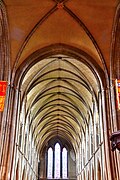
x=59 y=92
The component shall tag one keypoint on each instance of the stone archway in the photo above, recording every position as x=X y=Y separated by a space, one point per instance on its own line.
x=70 y=56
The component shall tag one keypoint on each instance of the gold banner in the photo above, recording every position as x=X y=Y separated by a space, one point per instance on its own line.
x=117 y=83
x=3 y=87
x=2 y=101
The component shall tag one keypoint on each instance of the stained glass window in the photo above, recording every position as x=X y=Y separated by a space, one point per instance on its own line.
x=57 y=161
x=50 y=163
x=64 y=163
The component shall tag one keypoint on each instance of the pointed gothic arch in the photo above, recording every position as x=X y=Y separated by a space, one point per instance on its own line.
x=56 y=86
x=55 y=51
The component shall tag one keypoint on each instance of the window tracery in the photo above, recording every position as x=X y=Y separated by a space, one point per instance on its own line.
x=57 y=162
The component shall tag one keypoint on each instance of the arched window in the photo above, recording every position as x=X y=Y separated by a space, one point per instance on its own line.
x=64 y=163
x=50 y=163
x=57 y=162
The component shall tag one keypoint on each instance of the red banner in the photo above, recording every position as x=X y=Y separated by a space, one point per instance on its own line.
x=3 y=87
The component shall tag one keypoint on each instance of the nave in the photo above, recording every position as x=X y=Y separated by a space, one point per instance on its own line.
x=59 y=90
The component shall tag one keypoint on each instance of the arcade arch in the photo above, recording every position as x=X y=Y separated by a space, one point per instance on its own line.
x=61 y=97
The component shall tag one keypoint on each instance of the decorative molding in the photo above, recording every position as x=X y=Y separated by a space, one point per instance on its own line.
x=60 y=5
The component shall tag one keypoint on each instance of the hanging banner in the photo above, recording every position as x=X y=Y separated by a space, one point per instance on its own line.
x=117 y=83
x=3 y=87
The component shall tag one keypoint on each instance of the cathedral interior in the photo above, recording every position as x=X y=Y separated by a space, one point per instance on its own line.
x=59 y=89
